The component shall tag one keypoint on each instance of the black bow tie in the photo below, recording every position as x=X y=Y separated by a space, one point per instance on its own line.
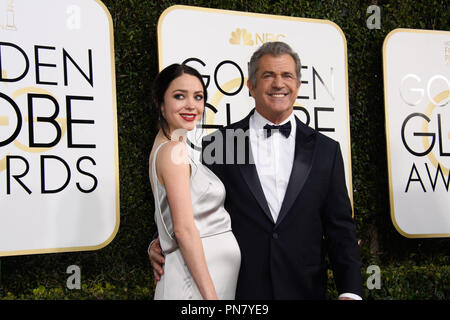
x=285 y=129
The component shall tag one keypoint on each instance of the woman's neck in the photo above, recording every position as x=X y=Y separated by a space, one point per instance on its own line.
x=173 y=135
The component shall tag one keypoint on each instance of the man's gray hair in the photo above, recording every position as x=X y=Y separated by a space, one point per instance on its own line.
x=276 y=49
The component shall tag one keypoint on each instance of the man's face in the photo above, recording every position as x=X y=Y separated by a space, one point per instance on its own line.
x=276 y=87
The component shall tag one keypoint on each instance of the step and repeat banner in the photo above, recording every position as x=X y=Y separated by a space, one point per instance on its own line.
x=417 y=108
x=59 y=175
x=219 y=44
x=59 y=178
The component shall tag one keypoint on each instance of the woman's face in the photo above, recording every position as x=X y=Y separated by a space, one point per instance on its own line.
x=183 y=103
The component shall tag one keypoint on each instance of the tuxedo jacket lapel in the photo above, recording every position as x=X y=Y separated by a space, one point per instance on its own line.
x=250 y=176
x=248 y=169
x=304 y=151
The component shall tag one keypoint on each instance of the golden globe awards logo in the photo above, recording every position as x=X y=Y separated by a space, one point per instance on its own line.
x=418 y=131
x=58 y=129
x=432 y=132
x=40 y=125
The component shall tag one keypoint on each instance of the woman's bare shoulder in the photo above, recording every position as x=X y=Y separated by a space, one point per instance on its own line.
x=173 y=155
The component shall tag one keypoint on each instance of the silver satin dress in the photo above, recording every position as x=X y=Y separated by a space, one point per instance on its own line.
x=222 y=253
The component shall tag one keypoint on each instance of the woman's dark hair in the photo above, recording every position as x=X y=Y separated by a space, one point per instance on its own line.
x=162 y=82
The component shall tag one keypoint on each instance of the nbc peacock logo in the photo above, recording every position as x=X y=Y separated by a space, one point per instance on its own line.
x=241 y=36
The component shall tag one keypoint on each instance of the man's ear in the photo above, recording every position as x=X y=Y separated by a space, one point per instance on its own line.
x=250 y=87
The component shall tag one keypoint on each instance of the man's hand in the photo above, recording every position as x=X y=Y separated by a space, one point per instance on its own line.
x=349 y=296
x=156 y=260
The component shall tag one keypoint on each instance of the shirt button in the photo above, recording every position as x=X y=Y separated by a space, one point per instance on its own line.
x=275 y=235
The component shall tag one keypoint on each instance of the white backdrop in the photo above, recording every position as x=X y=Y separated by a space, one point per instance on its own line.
x=59 y=174
x=220 y=44
x=417 y=95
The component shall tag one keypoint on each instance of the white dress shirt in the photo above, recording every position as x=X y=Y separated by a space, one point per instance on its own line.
x=274 y=157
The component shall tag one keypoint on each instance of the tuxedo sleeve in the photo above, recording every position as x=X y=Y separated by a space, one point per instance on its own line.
x=340 y=232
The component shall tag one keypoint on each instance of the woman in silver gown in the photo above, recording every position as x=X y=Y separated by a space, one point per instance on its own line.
x=202 y=257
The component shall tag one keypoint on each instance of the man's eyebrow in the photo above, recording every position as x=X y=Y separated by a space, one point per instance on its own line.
x=273 y=72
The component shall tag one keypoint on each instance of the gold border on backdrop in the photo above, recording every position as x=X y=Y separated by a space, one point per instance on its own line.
x=388 y=142
x=116 y=162
x=261 y=15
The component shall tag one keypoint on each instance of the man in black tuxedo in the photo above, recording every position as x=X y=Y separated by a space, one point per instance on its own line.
x=285 y=192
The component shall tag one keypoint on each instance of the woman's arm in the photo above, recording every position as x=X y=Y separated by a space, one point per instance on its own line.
x=174 y=173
